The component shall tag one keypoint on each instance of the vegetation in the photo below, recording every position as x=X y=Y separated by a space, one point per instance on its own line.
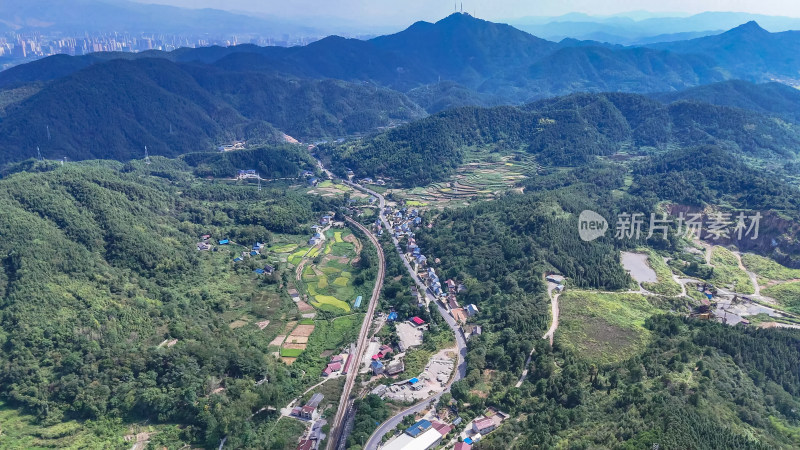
x=787 y=295
x=371 y=411
x=727 y=272
x=768 y=269
x=121 y=278
x=569 y=131
x=694 y=385
x=604 y=328
x=113 y=109
x=665 y=285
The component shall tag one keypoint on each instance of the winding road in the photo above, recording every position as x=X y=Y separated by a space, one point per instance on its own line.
x=550 y=332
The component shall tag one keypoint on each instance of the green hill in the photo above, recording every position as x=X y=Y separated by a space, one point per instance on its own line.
x=564 y=131
x=99 y=271
x=113 y=109
x=769 y=98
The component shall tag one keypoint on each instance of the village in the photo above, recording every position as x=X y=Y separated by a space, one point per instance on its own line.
x=382 y=369
x=403 y=220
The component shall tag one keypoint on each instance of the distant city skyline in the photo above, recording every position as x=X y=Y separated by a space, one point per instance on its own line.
x=383 y=12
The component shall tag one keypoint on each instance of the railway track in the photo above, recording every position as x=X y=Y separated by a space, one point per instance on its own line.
x=338 y=436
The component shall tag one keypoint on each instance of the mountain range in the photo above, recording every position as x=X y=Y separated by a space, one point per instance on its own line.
x=193 y=99
x=645 y=28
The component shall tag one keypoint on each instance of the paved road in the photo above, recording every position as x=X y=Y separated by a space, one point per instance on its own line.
x=461 y=341
x=345 y=403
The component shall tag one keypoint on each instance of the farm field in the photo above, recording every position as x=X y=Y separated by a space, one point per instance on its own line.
x=328 y=280
x=483 y=180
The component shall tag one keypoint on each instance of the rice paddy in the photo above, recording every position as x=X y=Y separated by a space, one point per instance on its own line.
x=475 y=180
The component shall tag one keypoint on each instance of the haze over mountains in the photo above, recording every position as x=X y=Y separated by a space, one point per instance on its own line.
x=79 y=16
x=645 y=28
x=198 y=98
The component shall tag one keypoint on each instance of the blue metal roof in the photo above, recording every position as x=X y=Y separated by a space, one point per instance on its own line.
x=259 y=271
x=358 y=302
x=224 y=241
x=468 y=441
x=414 y=380
x=418 y=428
x=392 y=316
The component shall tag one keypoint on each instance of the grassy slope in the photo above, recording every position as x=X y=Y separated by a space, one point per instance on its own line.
x=665 y=285
x=768 y=269
x=603 y=328
x=787 y=294
x=727 y=273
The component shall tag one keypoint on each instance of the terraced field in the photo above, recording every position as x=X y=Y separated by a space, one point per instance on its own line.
x=483 y=180
x=328 y=280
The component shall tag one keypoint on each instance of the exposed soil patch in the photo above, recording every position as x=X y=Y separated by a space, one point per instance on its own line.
x=278 y=340
x=303 y=330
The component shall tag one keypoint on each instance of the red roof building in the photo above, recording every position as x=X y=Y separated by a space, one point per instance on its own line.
x=306 y=412
x=306 y=444
x=442 y=428
x=483 y=425
x=462 y=446
x=335 y=367
x=417 y=321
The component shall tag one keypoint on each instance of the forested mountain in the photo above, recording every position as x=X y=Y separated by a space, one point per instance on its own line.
x=598 y=69
x=99 y=266
x=494 y=59
x=113 y=109
x=564 y=131
x=679 y=384
x=747 y=51
x=774 y=99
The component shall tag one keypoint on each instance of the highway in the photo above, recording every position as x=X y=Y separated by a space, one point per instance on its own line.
x=345 y=404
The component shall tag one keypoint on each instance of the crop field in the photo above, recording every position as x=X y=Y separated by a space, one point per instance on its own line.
x=604 y=328
x=329 y=281
x=283 y=248
x=483 y=180
x=328 y=188
x=298 y=255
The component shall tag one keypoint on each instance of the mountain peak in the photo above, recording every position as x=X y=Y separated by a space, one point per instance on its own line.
x=751 y=28
x=460 y=19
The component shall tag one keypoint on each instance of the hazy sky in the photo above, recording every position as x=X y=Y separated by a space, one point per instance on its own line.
x=384 y=12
